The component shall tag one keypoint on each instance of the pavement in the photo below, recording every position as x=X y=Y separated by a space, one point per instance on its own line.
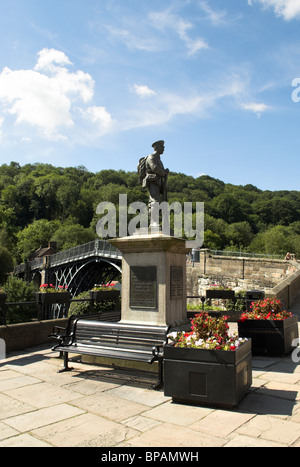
x=105 y=406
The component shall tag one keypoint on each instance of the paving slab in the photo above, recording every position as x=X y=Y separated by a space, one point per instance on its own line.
x=173 y=436
x=221 y=422
x=24 y=441
x=10 y=407
x=41 y=395
x=271 y=429
x=112 y=407
x=109 y=406
x=87 y=430
x=42 y=417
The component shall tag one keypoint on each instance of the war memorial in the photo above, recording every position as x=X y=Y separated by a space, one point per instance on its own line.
x=228 y=397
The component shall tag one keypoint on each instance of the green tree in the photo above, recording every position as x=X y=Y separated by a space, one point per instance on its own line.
x=274 y=241
x=212 y=240
x=34 y=236
x=229 y=208
x=240 y=234
x=71 y=235
x=18 y=290
x=6 y=263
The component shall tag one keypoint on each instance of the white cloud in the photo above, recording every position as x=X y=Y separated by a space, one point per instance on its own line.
x=44 y=97
x=49 y=59
x=166 y=105
x=143 y=90
x=100 y=117
x=134 y=40
x=215 y=17
x=257 y=108
x=35 y=99
x=167 y=20
x=289 y=9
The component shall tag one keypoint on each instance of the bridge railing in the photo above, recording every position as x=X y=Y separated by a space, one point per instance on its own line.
x=97 y=247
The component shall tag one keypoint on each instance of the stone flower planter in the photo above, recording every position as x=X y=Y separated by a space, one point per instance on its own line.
x=207 y=377
x=52 y=297
x=270 y=337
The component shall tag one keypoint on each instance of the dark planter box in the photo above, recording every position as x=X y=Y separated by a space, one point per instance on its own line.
x=104 y=295
x=52 y=297
x=3 y=298
x=270 y=337
x=221 y=294
x=207 y=377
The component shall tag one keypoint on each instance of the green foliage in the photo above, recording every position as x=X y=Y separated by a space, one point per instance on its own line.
x=70 y=235
x=35 y=235
x=6 y=263
x=18 y=290
x=86 y=307
x=40 y=202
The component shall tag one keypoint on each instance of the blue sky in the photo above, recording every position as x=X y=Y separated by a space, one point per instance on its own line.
x=96 y=82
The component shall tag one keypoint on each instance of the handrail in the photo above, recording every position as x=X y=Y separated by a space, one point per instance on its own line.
x=95 y=248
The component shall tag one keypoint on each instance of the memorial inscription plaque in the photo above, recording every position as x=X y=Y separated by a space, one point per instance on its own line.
x=176 y=285
x=143 y=293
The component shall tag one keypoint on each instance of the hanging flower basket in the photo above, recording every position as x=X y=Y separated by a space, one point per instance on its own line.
x=207 y=366
x=271 y=328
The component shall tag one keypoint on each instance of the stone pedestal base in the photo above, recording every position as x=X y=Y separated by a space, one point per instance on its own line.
x=153 y=279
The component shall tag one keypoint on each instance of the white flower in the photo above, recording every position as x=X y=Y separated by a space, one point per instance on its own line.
x=172 y=335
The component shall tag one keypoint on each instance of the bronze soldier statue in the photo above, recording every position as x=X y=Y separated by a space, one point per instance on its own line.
x=154 y=175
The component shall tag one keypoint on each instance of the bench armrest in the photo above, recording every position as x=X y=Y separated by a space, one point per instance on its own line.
x=64 y=340
x=157 y=352
x=56 y=330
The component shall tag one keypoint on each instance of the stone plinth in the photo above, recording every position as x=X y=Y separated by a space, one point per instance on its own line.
x=153 y=279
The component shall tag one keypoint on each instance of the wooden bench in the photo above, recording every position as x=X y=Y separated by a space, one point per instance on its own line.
x=143 y=343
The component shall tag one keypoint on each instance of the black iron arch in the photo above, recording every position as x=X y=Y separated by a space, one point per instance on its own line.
x=84 y=275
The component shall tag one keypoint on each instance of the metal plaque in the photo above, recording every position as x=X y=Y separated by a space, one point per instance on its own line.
x=176 y=282
x=143 y=289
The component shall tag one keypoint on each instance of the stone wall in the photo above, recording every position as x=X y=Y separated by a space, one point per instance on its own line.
x=288 y=289
x=26 y=335
x=238 y=273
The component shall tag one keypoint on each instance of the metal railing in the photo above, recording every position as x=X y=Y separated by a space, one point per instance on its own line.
x=244 y=254
x=41 y=313
x=95 y=248
x=195 y=255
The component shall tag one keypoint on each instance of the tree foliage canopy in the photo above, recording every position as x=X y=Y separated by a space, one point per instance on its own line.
x=41 y=203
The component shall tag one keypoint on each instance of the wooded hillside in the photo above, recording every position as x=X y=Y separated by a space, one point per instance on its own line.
x=41 y=203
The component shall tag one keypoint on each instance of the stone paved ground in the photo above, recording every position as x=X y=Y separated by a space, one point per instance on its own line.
x=102 y=406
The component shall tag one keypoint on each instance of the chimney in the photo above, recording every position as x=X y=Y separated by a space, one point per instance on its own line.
x=52 y=245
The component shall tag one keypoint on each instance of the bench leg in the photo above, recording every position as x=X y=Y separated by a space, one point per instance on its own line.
x=66 y=361
x=160 y=382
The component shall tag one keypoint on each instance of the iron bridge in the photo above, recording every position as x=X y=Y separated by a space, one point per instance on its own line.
x=78 y=268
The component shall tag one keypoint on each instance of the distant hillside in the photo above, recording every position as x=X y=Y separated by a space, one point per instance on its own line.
x=40 y=202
